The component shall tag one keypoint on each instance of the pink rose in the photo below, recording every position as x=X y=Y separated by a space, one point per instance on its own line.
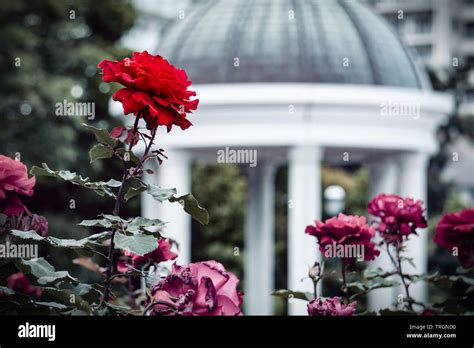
x=456 y=230
x=197 y=289
x=34 y=222
x=18 y=282
x=160 y=254
x=14 y=182
x=330 y=307
x=399 y=217
x=345 y=230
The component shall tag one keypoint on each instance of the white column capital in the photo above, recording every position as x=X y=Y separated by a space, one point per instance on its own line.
x=413 y=160
x=305 y=154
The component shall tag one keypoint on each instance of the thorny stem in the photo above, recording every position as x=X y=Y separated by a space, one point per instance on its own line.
x=118 y=202
x=398 y=266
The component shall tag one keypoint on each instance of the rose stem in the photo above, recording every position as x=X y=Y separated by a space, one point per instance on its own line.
x=398 y=266
x=344 y=284
x=405 y=285
x=116 y=211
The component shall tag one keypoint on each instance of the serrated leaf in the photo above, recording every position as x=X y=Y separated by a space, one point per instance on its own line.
x=100 y=151
x=90 y=243
x=192 y=207
x=138 y=244
x=32 y=235
x=113 y=183
x=160 y=194
x=102 y=135
x=64 y=296
x=100 y=187
x=105 y=223
x=134 y=191
x=42 y=270
x=141 y=223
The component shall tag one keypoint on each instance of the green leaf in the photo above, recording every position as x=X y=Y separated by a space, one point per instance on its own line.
x=138 y=244
x=113 y=183
x=96 y=223
x=6 y=291
x=134 y=191
x=64 y=296
x=388 y=311
x=141 y=223
x=42 y=270
x=102 y=135
x=160 y=194
x=101 y=188
x=100 y=151
x=192 y=207
x=51 y=305
x=32 y=235
x=91 y=243
x=306 y=296
x=131 y=155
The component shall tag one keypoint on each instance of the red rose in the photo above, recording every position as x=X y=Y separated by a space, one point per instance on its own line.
x=330 y=307
x=154 y=89
x=197 y=289
x=456 y=230
x=345 y=230
x=399 y=217
x=160 y=254
x=14 y=182
x=18 y=282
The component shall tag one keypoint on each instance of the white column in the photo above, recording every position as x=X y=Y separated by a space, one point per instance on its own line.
x=175 y=172
x=304 y=206
x=413 y=183
x=383 y=179
x=260 y=240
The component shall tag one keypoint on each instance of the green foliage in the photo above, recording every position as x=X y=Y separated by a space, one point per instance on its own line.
x=222 y=190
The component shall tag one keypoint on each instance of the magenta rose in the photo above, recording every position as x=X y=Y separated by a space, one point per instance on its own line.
x=14 y=182
x=34 y=222
x=345 y=232
x=456 y=230
x=196 y=289
x=399 y=217
x=160 y=254
x=18 y=282
x=330 y=307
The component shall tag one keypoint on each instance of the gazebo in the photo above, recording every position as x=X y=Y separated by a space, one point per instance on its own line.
x=303 y=83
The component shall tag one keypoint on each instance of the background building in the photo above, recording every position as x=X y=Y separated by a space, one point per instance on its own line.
x=303 y=84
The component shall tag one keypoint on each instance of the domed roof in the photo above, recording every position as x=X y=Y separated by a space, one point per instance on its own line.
x=319 y=41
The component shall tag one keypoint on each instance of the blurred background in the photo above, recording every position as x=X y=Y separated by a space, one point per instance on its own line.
x=59 y=44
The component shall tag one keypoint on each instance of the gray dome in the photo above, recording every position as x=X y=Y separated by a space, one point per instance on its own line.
x=288 y=41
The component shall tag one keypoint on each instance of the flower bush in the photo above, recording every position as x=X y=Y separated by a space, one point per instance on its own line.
x=131 y=248
x=398 y=219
